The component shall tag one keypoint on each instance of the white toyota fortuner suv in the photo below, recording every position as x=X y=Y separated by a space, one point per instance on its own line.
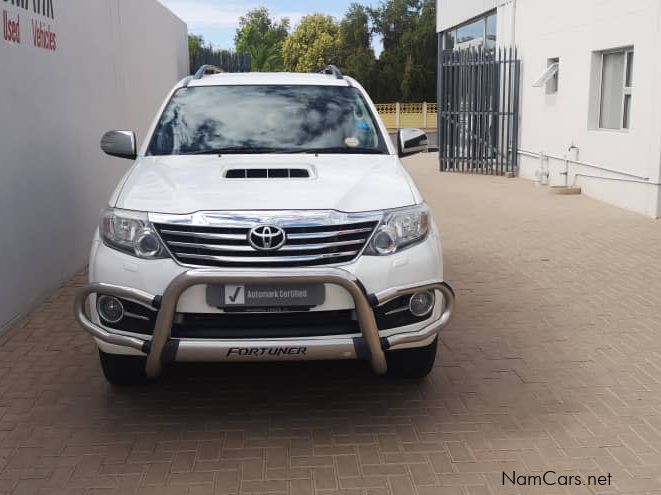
x=267 y=217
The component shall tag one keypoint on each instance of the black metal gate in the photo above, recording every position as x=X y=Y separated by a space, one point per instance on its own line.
x=478 y=110
x=228 y=61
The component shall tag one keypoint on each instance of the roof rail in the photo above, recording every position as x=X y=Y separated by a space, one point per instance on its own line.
x=201 y=72
x=332 y=70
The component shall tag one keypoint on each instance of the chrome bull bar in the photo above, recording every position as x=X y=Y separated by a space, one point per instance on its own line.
x=162 y=348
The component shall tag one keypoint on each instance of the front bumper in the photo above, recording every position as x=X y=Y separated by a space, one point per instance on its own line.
x=162 y=348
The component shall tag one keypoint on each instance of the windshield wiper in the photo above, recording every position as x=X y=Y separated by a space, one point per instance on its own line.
x=338 y=150
x=232 y=149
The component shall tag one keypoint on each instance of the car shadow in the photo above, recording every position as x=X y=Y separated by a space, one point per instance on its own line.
x=284 y=394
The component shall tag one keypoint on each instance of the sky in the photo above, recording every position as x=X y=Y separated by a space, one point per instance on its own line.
x=217 y=20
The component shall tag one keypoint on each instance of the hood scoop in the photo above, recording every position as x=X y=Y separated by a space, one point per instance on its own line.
x=267 y=173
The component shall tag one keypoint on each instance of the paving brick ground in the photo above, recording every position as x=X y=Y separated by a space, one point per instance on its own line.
x=552 y=363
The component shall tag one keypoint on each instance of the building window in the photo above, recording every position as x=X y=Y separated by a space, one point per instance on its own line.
x=491 y=32
x=615 y=89
x=450 y=39
x=470 y=35
x=478 y=33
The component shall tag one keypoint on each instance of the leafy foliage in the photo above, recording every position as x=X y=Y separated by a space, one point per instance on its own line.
x=357 y=57
x=195 y=45
x=313 y=44
x=266 y=58
x=407 y=66
x=355 y=29
x=263 y=37
x=405 y=70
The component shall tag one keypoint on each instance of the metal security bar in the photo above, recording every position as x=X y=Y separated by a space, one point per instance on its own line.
x=478 y=107
x=228 y=61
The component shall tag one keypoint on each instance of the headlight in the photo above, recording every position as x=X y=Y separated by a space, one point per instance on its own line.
x=131 y=232
x=400 y=229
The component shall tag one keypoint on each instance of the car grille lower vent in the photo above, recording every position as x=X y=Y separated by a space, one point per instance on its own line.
x=229 y=246
x=267 y=173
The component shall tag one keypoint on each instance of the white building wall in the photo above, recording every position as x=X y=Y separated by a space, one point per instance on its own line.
x=113 y=64
x=550 y=124
x=450 y=13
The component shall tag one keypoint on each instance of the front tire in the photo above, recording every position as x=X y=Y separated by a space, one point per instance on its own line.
x=414 y=363
x=123 y=370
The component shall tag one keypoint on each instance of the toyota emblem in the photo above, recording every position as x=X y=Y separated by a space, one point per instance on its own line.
x=266 y=237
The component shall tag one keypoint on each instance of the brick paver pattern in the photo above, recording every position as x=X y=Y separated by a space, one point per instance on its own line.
x=553 y=362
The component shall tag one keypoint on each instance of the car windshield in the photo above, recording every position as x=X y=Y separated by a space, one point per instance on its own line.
x=267 y=119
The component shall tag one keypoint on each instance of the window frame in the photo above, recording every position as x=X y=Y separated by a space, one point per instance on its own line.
x=483 y=18
x=628 y=54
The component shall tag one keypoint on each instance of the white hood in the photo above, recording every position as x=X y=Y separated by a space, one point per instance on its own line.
x=186 y=184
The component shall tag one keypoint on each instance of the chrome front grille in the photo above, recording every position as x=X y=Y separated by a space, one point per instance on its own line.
x=313 y=240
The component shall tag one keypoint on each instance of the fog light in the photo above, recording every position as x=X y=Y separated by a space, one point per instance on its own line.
x=110 y=308
x=421 y=303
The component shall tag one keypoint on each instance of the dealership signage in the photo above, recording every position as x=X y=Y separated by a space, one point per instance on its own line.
x=15 y=16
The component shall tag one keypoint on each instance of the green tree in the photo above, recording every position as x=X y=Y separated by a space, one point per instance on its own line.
x=419 y=80
x=266 y=58
x=357 y=57
x=392 y=19
x=407 y=65
x=313 y=44
x=262 y=36
x=354 y=27
x=195 y=45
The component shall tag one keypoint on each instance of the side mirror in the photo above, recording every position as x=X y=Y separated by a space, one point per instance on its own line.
x=412 y=141
x=120 y=144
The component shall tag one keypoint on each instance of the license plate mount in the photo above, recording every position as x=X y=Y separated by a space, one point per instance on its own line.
x=265 y=296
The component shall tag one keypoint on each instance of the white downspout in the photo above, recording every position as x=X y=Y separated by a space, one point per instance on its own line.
x=513 y=22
